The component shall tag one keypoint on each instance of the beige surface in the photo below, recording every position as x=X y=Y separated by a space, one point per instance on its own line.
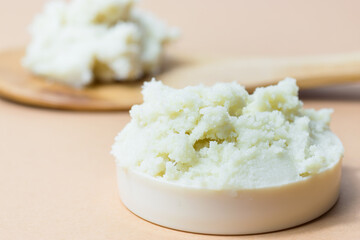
x=57 y=179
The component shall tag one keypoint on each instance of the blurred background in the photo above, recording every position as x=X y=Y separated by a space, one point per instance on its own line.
x=230 y=27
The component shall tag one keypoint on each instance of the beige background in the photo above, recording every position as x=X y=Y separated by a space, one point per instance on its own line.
x=57 y=178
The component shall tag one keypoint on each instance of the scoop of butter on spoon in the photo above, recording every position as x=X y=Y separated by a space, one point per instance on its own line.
x=19 y=85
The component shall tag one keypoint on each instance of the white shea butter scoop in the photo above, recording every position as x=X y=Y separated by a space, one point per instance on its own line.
x=219 y=160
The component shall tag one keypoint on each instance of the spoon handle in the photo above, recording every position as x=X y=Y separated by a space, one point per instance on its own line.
x=311 y=71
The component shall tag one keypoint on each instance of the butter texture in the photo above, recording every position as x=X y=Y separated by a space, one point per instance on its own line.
x=81 y=41
x=222 y=137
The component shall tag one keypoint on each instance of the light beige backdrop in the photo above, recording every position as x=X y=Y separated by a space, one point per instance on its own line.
x=231 y=27
x=57 y=178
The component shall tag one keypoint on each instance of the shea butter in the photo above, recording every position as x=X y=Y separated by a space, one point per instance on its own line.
x=219 y=160
x=81 y=41
x=222 y=137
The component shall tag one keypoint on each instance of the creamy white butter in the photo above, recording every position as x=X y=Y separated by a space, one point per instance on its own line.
x=83 y=40
x=221 y=137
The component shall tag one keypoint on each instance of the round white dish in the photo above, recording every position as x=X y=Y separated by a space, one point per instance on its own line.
x=230 y=211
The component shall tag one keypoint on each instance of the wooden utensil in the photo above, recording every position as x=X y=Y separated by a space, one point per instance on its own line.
x=19 y=85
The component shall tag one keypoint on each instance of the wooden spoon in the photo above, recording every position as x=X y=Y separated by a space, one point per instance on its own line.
x=18 y=85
